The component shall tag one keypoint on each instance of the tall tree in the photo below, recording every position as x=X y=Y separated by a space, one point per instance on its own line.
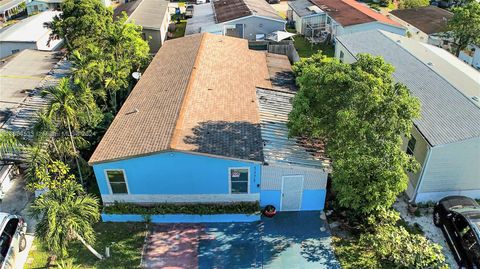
x=66 y=214
x=464 y=26
x=69 y=108
x=363 y=115
x=81 y=22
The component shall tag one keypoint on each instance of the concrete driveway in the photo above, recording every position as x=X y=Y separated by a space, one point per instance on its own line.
x=289 y=240
x=16 y=202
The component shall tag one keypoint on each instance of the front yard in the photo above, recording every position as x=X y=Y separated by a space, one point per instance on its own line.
x=179 y=29
x=125 y=241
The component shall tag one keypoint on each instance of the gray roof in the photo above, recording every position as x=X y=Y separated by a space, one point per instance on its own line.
x=203 y=17
x=447 y=116
x=20 y=76
x=301 y=7
x=274 y=108
x=150 y=13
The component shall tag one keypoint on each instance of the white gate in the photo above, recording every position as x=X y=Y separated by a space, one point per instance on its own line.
x=292 y=188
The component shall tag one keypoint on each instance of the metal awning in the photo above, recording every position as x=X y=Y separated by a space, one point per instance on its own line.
x=278 y=36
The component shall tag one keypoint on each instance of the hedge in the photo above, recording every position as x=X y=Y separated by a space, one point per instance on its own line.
x=193 y=209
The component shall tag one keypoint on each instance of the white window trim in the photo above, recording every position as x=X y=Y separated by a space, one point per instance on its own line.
x=108 y=181
x=230 y=182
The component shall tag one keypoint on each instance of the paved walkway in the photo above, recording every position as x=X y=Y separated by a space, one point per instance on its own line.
x=289 y=240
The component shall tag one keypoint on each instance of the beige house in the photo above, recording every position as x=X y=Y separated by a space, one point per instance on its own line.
x=445 y=140
x=152 y=15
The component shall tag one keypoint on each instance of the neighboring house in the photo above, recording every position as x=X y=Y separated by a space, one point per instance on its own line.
x=426 y=24
x=248 y=19
x=29 y=33
x=337 y=17
x=36 y=6
x=207 y=123
x=152 y=15
x=446 y=138
x=471 y=55
x=9 y=8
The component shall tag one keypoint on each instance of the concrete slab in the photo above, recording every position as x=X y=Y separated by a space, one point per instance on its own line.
x=289 y=240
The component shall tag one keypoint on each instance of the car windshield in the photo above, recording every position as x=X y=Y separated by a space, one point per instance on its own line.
x=462 y=209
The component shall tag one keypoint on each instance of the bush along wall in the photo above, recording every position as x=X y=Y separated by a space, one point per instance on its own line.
x=189 y=209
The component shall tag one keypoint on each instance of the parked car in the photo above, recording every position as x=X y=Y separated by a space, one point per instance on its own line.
x=12 y=239
x=459 y=219
x=189 y=11
x=273 y=1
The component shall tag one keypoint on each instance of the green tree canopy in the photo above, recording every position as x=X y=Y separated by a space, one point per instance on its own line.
x=81 y=22
x=364 y=115
x=404 y=4
x=464 y=26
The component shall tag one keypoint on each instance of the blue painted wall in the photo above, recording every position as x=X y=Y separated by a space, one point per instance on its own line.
x=177 y=173
x=270 y=197
x=311 y=199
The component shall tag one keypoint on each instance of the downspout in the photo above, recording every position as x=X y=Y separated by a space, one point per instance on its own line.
x=420 y=178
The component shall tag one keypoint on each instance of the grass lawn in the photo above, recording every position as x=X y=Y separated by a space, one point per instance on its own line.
x=305 y=49
x=125 y=241
x=179 y=29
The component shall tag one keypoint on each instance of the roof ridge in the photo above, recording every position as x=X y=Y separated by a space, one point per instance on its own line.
x=181 y=114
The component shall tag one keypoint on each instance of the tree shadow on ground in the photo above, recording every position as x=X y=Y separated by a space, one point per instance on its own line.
x=293 y=240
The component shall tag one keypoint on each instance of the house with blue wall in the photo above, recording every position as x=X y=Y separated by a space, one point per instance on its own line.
x=206 y=123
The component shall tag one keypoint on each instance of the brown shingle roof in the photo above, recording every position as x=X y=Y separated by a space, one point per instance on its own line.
x=158 y=98
x=350 y=12
x=198 y=94
x=227 y=10
x=429 y=20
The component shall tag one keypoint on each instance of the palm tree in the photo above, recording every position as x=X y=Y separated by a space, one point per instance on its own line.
x=66 y=214
x=37 y=158
x=9 y=142
x=65 y=107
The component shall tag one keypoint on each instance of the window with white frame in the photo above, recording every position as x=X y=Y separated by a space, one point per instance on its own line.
x=116 y=179
x=239 y=178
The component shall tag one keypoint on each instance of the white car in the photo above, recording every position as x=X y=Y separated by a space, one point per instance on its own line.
x=12 y=238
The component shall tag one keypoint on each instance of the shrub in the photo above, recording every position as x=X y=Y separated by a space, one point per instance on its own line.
x=193 y=209
x=396 y=246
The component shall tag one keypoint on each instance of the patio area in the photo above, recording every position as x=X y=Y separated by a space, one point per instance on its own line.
x=289 y=240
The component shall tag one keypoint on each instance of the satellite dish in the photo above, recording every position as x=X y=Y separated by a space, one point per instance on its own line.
x=136 y=75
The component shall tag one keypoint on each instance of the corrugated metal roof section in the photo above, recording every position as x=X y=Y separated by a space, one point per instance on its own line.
x=447 y=116
x=274 y=107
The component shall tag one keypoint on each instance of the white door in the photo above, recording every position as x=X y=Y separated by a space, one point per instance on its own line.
x=292 y=188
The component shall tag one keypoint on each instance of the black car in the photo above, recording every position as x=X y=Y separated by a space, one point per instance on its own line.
x=459 y=219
